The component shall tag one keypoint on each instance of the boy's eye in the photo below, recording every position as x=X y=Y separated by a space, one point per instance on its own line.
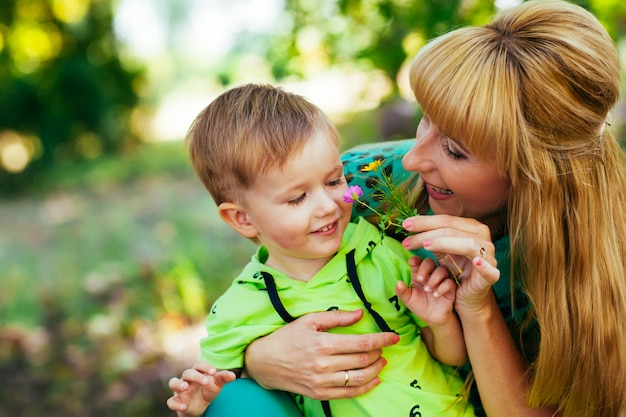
x=336 y=182
x=296 y=201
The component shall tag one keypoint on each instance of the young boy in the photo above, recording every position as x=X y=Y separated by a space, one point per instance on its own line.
x=271 y=161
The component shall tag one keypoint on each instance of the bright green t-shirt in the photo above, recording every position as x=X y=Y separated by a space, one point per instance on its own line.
x=413 y=383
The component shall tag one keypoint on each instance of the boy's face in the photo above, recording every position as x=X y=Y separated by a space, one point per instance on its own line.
x=298 y=211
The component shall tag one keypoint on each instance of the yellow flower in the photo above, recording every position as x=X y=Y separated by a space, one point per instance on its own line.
x=373 y=166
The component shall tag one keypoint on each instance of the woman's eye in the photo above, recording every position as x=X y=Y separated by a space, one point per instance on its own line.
x=453 y=154
x=297 y=201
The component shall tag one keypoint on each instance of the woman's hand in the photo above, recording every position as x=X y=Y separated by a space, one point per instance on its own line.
x=302 y=357
x=465 y=246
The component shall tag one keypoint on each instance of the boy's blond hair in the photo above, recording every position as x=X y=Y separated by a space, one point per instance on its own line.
x=247 y=130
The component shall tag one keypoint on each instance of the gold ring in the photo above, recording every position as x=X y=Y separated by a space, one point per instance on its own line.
x=347 y=383
x=482 y=251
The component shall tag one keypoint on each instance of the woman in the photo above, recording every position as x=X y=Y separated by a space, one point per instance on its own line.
x=516 y=157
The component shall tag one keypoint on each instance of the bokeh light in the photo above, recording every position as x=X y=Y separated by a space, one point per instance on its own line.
x=17 y=151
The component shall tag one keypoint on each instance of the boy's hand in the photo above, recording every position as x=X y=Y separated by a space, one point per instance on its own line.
x=431 y=294
x=197 y=388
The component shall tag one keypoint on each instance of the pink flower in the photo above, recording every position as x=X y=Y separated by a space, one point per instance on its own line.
x=352 y=194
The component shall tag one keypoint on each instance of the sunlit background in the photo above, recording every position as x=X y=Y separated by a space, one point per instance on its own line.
x=111 y=251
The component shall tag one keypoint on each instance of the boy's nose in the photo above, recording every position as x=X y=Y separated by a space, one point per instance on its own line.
x=326 y=203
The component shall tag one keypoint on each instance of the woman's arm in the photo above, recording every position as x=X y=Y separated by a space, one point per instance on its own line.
x=499 y=370
x=302 y=357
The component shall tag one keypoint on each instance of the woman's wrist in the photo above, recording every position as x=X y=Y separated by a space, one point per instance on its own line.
x=483 y=313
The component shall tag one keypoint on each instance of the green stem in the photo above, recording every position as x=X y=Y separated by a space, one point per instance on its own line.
x=388 y=221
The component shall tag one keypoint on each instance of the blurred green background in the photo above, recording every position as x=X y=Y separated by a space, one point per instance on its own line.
x=111 y=251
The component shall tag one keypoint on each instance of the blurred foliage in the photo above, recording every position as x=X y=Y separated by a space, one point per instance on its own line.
x=374 y=34
x=383 y=34
x=101 y=276
x=64 y=93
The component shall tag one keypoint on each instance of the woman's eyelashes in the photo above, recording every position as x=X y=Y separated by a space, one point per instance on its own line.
x=452 y=153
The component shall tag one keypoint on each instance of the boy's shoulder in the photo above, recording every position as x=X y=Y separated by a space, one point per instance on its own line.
x=376 y=242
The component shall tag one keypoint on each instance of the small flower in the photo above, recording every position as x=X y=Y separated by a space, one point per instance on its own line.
x=400 y=204
x=373 y=166
x=352 y=194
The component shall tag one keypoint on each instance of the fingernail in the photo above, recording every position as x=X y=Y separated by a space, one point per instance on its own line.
x=426 y=288
x=427 y=242
x=406 y=243
x=479 y=262
x=420 y=278
x=436 y=294
x=407 y=224
x=205 y=381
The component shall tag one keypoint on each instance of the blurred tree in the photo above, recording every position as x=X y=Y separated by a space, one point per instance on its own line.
x=382 y=34
x=64 y=93
x=374 y=34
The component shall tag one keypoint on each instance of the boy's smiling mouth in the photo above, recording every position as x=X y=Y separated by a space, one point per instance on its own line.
x=326 y=228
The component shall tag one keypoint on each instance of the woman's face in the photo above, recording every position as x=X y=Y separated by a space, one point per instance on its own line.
x=458 y=183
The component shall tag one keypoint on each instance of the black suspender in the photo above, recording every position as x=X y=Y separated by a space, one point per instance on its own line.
x=356 y=284
x=270 y=284
x=278 y=305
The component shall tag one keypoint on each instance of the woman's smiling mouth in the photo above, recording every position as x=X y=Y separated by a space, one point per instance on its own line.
x=438 y=193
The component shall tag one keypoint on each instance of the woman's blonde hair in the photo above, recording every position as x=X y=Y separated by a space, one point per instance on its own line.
x=532 y=91
x=247 y=130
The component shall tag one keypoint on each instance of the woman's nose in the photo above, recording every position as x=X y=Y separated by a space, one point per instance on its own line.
x=419 y=157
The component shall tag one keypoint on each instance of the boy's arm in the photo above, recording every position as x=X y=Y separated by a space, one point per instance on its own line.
x=445 y=342
x=431 y=297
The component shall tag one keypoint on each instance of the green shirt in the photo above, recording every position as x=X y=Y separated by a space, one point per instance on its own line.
x=413 y=382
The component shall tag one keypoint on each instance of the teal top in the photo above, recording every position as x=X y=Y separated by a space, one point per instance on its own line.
x=414 y=382
x=513 y=305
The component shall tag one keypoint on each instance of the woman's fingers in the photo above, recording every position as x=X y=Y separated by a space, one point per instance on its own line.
x=420 y=224
x=337 y=344
x=316 y=358
x=474 y=293
x=359 y=381
x=443 y=234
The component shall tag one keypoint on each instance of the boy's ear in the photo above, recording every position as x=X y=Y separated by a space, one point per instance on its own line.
x=237 y=217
